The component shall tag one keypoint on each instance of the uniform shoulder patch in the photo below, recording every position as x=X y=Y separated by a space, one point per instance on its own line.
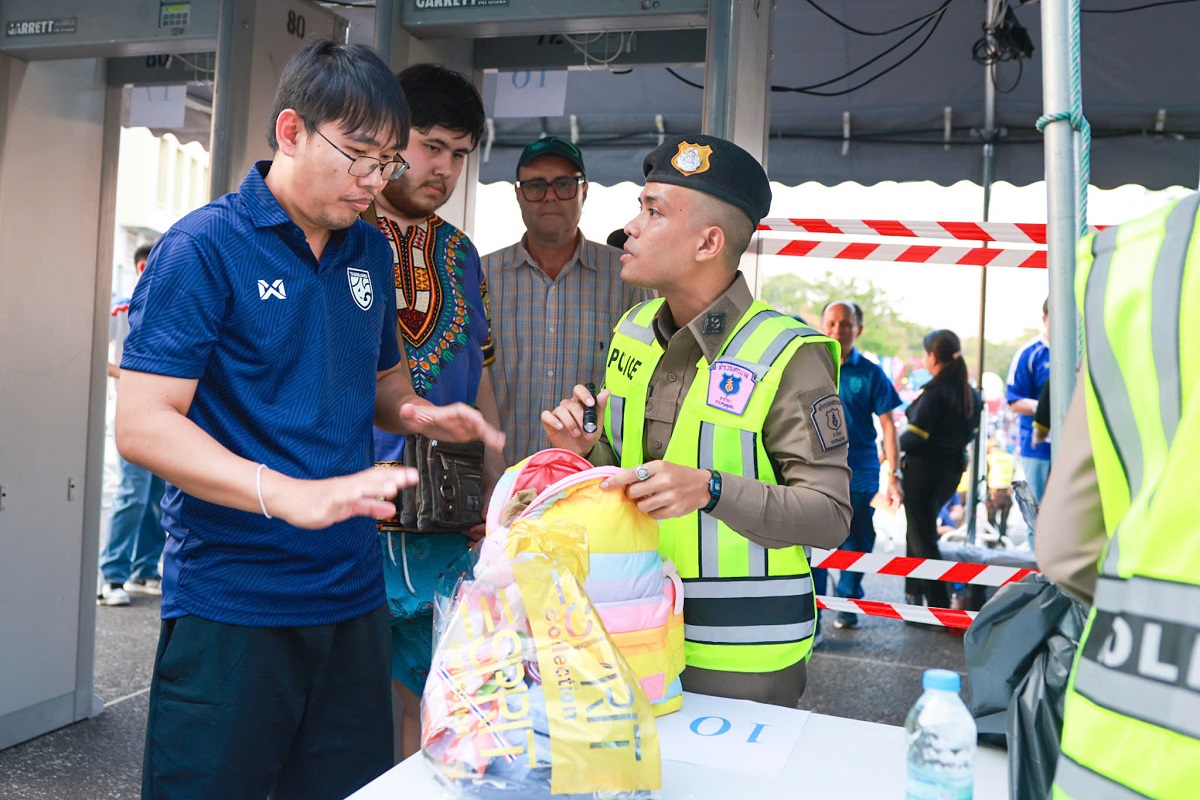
x=829 y=419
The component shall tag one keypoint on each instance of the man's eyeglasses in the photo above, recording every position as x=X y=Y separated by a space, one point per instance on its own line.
x=534 y=190
x=363 y=166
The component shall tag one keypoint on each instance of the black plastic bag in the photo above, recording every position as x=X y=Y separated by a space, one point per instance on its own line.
x=1019 y=652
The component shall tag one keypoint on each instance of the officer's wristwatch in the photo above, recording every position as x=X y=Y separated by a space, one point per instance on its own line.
x=714 y=491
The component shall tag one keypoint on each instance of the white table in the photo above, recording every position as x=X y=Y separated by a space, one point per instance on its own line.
x=834 y=757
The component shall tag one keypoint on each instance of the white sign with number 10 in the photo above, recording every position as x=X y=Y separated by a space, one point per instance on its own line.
x=729 y=734
x=531 y=93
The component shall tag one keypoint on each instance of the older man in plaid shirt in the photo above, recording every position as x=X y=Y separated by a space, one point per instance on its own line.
x=555 y=297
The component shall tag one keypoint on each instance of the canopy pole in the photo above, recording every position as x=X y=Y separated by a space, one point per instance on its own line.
x=989 y=156
x=385 y=23
x=1062 y=213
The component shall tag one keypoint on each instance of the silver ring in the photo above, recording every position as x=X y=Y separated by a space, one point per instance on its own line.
x=642 y=473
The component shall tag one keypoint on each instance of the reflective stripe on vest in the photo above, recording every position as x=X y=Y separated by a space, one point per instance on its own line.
x=1132 y=711
x=746 y=609
x=1077 y=781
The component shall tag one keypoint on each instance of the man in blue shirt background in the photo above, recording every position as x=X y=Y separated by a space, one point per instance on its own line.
x=1030 y=371
x=865 y=390
x=262 y=347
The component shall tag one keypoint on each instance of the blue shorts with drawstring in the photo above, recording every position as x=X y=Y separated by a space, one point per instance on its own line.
x=415 y=565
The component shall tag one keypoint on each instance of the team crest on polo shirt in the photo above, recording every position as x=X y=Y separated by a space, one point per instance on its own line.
x=730 y=387
x=360 y=287
x=692 y=159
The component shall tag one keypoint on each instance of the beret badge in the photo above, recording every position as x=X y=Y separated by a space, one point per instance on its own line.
x=692 y=159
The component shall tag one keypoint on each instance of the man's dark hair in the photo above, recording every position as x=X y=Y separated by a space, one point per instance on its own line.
x=142 y=253
x=343 y=83
x=855 y=307
x=440 y=96
x=1046 y=307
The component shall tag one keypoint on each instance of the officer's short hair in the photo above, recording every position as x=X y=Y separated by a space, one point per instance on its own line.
x=733 y=222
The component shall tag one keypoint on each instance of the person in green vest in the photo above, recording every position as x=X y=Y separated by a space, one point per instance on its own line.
x=725 y=417
x=1119 y=526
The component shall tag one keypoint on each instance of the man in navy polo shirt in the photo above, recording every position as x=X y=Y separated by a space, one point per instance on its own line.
x=865 y=391
x=262 y=347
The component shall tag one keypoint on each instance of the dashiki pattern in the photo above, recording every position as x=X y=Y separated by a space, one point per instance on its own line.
x=433 y=311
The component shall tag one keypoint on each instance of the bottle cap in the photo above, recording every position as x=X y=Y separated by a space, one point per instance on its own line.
x=942 y=679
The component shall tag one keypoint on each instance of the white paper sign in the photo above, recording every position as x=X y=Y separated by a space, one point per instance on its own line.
x=157 y=106
x=737 y=735
x=531 y=93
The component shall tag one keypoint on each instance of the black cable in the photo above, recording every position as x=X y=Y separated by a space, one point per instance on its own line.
x=342 y=4
x=1133 y=8
x=901 y=27
x=1016 y=83
x=860 y=67
x=809 y=90
x=936 y=22
x=685 y=80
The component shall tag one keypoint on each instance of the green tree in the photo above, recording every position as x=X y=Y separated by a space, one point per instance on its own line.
x=885 y=332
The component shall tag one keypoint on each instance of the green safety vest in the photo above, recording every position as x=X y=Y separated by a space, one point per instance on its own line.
x=746 y=608
x=1131 y=723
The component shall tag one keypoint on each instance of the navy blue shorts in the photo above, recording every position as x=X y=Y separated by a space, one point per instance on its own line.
x=299 y=713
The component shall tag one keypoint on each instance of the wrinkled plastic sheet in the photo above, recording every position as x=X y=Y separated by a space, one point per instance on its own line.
x=1019 y=653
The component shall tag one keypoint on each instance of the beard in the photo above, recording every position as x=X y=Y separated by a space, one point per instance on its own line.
x=402 y=196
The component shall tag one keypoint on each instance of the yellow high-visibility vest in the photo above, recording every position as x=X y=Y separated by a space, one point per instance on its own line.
x=1131 y=724
x=746 y=608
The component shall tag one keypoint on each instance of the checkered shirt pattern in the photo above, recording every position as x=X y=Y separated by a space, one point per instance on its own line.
x=550 y=335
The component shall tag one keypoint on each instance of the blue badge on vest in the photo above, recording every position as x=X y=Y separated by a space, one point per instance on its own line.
x=730 y=387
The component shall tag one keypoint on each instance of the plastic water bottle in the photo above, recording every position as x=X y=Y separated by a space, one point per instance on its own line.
x=941 y=741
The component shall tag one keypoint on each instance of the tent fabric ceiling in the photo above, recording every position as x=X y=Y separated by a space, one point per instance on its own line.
x=1133 y=65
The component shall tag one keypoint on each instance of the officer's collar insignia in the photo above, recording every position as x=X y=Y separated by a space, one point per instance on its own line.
x=714 y=322
x=692 y=159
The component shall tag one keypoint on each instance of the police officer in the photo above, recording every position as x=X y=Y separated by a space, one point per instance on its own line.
x=725 y=417
x=1118 y=525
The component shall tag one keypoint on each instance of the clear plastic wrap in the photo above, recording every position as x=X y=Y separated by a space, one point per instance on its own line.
x=528 y=696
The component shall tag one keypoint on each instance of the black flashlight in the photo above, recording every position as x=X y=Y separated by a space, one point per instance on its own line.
x=589 y=412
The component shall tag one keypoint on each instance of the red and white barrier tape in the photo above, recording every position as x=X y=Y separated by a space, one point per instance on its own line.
x=926 y=568
x=906 y=254
x=949 y=617
x=1012 y=232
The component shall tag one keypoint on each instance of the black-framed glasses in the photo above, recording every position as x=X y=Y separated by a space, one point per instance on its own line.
x=363 y=166
x=534 y=190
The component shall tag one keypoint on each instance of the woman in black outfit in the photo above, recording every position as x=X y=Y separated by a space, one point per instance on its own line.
x=941 y=422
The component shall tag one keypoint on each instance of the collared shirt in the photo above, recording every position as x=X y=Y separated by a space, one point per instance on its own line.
x=442 y=309
x=550 y=334
x=866 y=392
x=1029 y=372
x=810 y=504
x=285 y=350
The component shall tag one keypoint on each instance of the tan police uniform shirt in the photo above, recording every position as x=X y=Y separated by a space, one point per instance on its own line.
x=810 y=505
x=1070 y=525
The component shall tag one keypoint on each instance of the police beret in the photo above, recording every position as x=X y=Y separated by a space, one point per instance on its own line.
x=713 y=166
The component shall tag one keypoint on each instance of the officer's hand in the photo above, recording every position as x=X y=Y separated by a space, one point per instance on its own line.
x=321 y=503
x=672 y=490
x=564 y=425
x=895 y=494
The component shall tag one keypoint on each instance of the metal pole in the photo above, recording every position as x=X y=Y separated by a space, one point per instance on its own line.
x=224 y=135
x=1062 y=227
x=717 y=61
x=989 y=155
x=385 y=20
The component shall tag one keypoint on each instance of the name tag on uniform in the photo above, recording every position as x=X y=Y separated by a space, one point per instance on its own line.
x=730 y=387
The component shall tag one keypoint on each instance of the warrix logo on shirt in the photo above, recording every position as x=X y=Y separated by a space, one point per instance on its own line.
x=269 y=290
